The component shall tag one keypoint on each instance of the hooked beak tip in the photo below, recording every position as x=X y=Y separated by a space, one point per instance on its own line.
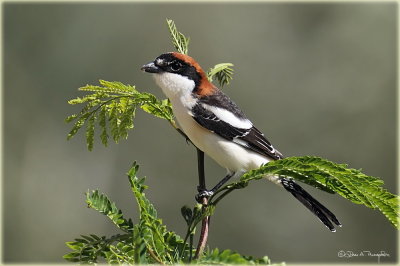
x=150 y=68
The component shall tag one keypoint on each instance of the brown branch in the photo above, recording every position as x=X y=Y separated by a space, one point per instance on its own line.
x=205 y=224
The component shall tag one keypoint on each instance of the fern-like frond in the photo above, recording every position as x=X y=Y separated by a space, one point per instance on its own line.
x=90 y=248
x=101 y=203
x=112 y=105
x=110 y=87
x=86 y=249
x=152 y=230
x=90 y=131
x=161 y=109
x=350 y=183
x=121 y=253
x=148 y=241
x=222 y=72
x=180 y=42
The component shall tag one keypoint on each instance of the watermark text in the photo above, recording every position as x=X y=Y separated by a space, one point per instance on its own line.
x=364 y=253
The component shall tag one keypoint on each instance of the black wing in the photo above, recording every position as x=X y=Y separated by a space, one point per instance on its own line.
x=258 y=143
x=250 y=138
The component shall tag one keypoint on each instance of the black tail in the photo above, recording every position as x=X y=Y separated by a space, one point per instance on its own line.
x=312 y=204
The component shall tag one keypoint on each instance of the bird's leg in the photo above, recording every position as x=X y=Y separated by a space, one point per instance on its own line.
x=208 y=193
x=200 y=169
x=222 y=182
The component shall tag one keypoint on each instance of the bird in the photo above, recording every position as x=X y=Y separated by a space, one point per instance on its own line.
x=219 y=128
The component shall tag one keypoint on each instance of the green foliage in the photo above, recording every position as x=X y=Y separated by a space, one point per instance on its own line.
x=86 y=249
x=113 y=106
x=89 y=249
x=350 y=183
x=121 y=253
x=102 y=204
x=150 y=228
x=222 y=72
x=148 y=241
x=180 y=42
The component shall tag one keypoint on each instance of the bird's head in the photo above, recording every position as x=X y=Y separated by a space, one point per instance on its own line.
x=179 y=74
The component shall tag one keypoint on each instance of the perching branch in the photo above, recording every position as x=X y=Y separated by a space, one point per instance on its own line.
x=205 y=224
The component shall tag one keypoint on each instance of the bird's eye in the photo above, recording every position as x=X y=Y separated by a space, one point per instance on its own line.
x=175 y=66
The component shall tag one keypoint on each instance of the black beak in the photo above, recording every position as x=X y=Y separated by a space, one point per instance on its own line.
x=151 y=68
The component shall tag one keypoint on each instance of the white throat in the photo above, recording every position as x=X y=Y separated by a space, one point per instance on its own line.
x=174 y=85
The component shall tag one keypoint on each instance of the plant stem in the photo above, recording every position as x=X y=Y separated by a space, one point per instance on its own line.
x=190 y=247
x=204 y=232
x=188 y=234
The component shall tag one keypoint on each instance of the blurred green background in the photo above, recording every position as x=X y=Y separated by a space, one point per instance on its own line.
x=317 y=78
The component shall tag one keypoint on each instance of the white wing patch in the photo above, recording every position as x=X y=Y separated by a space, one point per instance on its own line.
x=229 y=117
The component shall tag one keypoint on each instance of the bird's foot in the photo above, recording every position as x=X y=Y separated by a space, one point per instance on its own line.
x=203 y=193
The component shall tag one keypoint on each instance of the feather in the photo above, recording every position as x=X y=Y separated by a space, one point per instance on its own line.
x=228 y=121
x=319 y=210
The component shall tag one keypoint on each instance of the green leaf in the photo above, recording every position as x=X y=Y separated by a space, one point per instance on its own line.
x=127 y=115
x=90 y=132
x=86 y=249
x=121 y=253
x=151 y=229
x=71 y=118
x=114 y=121
x=78 y=124
x=103 y=125
x=222 y=72
x=175 y=242
x=350 y=183
x=101 y=203
x=160 y=109
x=180 y=42
x=109 y=87
x=118 y=87
x=139 y=245
x=115 y=112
